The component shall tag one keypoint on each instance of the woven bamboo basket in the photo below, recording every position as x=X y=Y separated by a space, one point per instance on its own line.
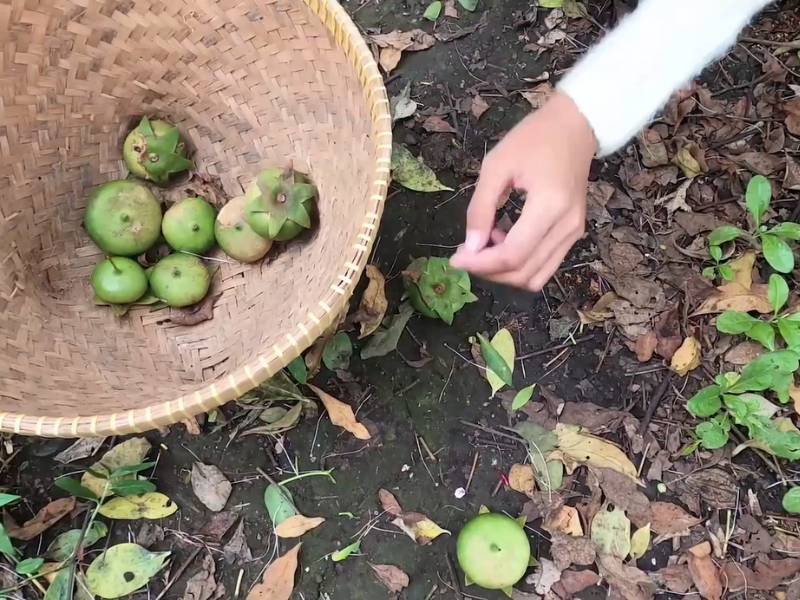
x=250 y=83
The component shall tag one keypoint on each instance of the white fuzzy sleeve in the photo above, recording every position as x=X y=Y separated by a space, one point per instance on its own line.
x=631 y=73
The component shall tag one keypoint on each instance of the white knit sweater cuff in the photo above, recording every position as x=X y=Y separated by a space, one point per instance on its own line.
x=624 y=80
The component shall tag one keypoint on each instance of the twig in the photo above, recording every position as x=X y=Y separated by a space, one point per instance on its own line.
x=447 y=382
x=611 y=335
x=180 y=571
x=655 y=400
x=493 y=431
x=454 y=577
x=471 y=472
x=776 y=43
x=550 y=349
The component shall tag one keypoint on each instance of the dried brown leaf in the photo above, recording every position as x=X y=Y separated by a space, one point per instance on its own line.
x=44 y=519
x=645 y=346
x=733 y=296
x=210 y=486
x=675 y=578
x=341 y=414
x=521 y=479
x=479 y=106
x=278 y=580
x=792 y=108
x=537 y=96
x=237 y=550
x=389 y=503
x=565 y=520
x=297 y=525
x=418 y=527
x=744 y=353
x=568 y=550
x=791 y=180
x=627 y=582
x=653 y=150
x=392 y=577
x=574 y=582
x=759 y=162
x=623 y=493
x=668 y=332
x=670 y=519
x=435 y=124
x=393 y=45
x=373 y=303
x=766 y=575
x=197 y=313
x=704 y=572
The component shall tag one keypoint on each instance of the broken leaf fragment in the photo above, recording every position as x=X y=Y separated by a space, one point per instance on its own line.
x=341 y=414
x=123 y=569
x=687 y=357
x=340 y=555
x=412 y=172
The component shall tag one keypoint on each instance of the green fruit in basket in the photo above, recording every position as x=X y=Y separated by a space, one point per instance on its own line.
x=437 y=290
x=493 y=551
x=278 y=204
x=155 y=151
x=188 y=225
x=180 y=280
x=119 y=280
x=123 y=218
x=236 y=238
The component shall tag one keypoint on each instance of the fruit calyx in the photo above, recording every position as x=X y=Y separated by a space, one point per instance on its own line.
x=154 y=151
x=279 y=204
x=436 y=289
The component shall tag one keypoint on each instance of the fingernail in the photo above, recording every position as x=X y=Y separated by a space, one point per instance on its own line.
x=473 y=241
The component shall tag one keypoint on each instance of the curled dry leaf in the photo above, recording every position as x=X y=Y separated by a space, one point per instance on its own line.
x=521 y=479
x=733 y=296
x=341 y=414
x=393 y=45
x=765 y=574
x=577 y=447
x=418 y=527
x=537 y=96
x=83 y=448
x=373 y=303
x=645 y=346
x=564 y=520
x=389 y=503
x=210 y=486
x=669 y=519
x=297 y=525
x=392 y=577
x=687 y=357
x=278 y=580
x=44 y=519
x=574 y=582
x=704 y=572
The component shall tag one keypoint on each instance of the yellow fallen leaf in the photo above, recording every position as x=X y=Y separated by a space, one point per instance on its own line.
x=297 y=525
x=688 y=163
x=611 y=532
x=734 y=296
x=742 y=268
x=601 y=311
x=341 y=414
x=504 y=344
x=126 y=454
x=565 y=520
x=578 y=447
x=419 y=527
x=373 y=303
x=687 y=357
x=640 y=542
x=278 y=580
x=521 y=479
x=153 y=505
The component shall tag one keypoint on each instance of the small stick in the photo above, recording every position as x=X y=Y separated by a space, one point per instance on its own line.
x=239 y=583
x=492 y=431
x=431 y=455
x=180 y=571
x=471 y=472
x=454 y=577
x=550 y=349
x=605 y=351
x=777 y=44
x=655 y=400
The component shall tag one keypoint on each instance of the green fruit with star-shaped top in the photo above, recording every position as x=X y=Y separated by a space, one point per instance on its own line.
x=236 y=238
x=188 y=225
x=493 y=551
x=180 y=280
x=155 y=151
x=279 y=204
x=119 y=280
x=437 y=290
x=123 y=218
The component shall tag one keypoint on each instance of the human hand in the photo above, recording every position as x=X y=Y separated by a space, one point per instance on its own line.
x=547 y=155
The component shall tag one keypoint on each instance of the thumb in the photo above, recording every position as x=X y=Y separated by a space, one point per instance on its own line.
x=490 y=190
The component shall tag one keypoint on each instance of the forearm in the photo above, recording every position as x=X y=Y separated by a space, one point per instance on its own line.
x=624 y=80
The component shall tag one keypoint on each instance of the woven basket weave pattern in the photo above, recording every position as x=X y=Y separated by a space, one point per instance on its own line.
x=251 y=84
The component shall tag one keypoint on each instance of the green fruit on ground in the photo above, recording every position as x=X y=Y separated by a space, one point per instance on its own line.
x=155 y=151
x=437 y=290
x=123 y=218
x=119 y=280
x=180 y=280
x=236 y=238
x=278 y=204
x=188 y=225
x=493 y=551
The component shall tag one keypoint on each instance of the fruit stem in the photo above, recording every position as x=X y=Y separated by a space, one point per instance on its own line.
x=113 y=264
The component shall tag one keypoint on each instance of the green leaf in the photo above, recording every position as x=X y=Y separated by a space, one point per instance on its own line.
x=720 y=235
x=611 y=532
x=6 y=499
x=764 y=334
x=412 y=172
x=123 y=569
x=132 y=487
x=712 y=435
x=279 y=503
x=433 y=11
x=777 y=253
x=787 y=231
x=779 y=437
x=715 y=252
x=757 y=197
x=523 y=397
x=548 y=473
x=551 y=3
x=131 y=452
x=337 y=352
x=123 y=472
x=706 y=402
x=726 y=272
x=61 y=548
x=735 y=322
x=74 y=488
x=386 y=338
x=498 y=370
x=29 y=566
x=6 y=546
x=340 y=555
x=790 y=331
x=791 y=501
x=59 y=588
x=760 y=374
x=777 y=292
x=297 y=368
x=278 y=389
x=710 y=272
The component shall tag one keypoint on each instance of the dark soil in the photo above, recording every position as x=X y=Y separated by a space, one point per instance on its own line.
x=415 y=407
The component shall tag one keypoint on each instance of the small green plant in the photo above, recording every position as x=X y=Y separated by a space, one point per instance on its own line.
x=734 y=399
x=120 y=482
x=771 y=242
x=765 y=331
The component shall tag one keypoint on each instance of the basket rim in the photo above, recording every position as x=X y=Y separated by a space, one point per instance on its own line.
x=303 y=334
